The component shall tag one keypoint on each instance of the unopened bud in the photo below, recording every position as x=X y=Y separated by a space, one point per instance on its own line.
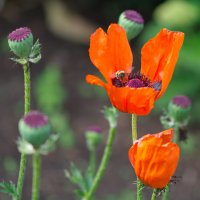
x=179 y=108
x=35 y=128
x=20 y=42
x=132 y=22
x=93 y=137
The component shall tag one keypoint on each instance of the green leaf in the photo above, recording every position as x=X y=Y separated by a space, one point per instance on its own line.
x=75 y=176
x=8 y=188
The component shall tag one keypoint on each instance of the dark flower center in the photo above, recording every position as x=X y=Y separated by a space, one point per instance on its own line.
x=135 y=83
x=19 y=34
x=182 y=101
x=134 y=80
x=35 y=119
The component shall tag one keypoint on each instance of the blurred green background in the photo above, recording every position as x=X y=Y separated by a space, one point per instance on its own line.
x=59 y=90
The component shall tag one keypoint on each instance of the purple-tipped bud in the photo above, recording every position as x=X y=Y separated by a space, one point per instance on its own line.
x=35 y=128
x=132 y=22
x=134 y=16
x=19 y=34
x=36 y=119
x=95 y=129
x=20 y=42
x=179 y=108
x=93 y=137
x=182 y=101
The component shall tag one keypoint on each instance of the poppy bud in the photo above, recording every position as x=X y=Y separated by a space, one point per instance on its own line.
x=154 y=158
x=20 y=42
x=35 y=128
x=93 y=137
x=179 y=108
x=132 y=22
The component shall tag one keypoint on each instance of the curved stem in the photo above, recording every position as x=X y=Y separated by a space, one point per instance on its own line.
x=36 y=176
x=134 y=137
x=165 y=195
x=153 y=197
x=103 y=165
x=23 y=160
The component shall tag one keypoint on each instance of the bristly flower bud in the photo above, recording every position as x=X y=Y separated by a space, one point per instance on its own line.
x=132 y=22
x=20 y=42
x=179 y=108
x=93 y=137
x=35 y=128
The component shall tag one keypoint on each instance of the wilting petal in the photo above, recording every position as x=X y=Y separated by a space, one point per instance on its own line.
x=110 y=53
x=159 y=57
x=94 y=80
x=138 y=101
x=155 y=158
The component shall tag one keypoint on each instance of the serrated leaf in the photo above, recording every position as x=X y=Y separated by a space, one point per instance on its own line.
x=36 y=49
x=49 y=145
x=75 y=176
x=25 y=147
x=21 y=61
x=8 y=188
x=35 y=59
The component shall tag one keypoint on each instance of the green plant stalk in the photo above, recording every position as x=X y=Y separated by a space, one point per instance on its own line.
x=36 y=176
x=92 y=162
x=103 y=164
x=153 y=197
x=134 y=137
x=23 y=160
x=165 y=195
x=134 y=127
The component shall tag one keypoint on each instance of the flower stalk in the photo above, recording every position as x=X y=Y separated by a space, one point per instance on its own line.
x=154 y=194
x=165 y=195
x=23 y=160
x=103 y=165
x=134 y=137
x=36 y=176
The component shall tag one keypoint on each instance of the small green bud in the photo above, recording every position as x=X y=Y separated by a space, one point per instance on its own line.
x=93 y=137
x=132 y=22
x=179 y=108
x=20 y=42
x=35 y=128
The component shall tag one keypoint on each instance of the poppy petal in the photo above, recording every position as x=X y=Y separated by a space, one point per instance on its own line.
x=159 y=57
x=155 y=158
x=94 y=80
x=110 y=53
x=138 y=101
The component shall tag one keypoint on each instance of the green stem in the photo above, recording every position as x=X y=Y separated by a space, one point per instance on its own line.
x=103 y=164
x=165 y=195
x=92 y=162
x=23 y=160
x=154 y=194
x=134 y=137
x=36 y=176
x=134 y=127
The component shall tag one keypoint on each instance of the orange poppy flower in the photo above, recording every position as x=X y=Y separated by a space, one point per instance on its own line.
x=154 y=158
x=131 y=92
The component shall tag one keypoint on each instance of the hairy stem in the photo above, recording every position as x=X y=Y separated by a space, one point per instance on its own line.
x=23 y=160
x=154 y=194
